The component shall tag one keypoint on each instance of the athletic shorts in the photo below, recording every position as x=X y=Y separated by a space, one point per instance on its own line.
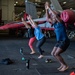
x=63 y=44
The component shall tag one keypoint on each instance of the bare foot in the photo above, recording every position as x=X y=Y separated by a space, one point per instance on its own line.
x=32 y=53
x=41 y=56
x=60 y=67
x=64 y=68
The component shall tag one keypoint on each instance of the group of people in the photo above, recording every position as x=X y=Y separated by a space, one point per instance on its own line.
x=35 y=32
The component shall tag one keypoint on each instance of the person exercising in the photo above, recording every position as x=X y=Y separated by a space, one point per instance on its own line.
x=31 y=35
x=62 y=39
x=39 y=36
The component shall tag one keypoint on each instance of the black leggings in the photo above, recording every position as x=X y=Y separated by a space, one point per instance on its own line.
x=63 y=44
x=39 y=44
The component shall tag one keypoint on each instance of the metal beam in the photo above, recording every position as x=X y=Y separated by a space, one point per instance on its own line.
x=56 y=4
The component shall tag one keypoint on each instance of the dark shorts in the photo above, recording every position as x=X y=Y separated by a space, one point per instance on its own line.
x=63 y=44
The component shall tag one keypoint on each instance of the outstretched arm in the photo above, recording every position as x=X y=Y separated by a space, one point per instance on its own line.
x=31 y=21
x=54 y=13
x=24 y=22
x=58 y=19
x=47 y=12
x=48 y=16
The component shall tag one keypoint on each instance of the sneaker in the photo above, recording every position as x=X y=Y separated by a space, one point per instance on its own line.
x=41 y=56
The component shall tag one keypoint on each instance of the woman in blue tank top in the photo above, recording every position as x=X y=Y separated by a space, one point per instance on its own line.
x=61 y=36
x=39 y=36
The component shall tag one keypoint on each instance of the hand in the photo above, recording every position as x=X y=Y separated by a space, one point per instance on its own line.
x=22 y=19
x=47 y=5
x=29 y=17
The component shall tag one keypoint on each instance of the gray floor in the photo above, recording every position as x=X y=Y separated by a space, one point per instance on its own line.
x=10 y=48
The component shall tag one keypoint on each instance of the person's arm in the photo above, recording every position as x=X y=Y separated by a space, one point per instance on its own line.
x=24 y=22
x=55 y=15
x=31 y=21
x=48 y=16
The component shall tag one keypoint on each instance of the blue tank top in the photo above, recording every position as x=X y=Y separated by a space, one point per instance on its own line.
x=38 y=33
x=60 y=31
